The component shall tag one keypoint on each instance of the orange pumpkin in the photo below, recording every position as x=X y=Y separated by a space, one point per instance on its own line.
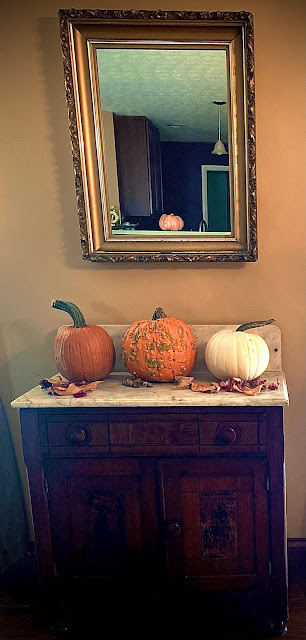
x=170 y=222
x=82 y=352
x=159 y=349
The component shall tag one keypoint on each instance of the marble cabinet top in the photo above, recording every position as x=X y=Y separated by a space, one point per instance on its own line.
x=111 y=393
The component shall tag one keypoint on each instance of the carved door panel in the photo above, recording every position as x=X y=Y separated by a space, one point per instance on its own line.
x=216 y=521
x=103 y=516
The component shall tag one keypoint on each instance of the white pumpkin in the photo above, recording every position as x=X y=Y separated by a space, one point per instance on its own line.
x=235 y=354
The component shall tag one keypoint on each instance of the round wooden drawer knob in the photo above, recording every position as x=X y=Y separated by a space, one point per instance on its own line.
x=228 y=434
x=78 y=434
x=173 y=529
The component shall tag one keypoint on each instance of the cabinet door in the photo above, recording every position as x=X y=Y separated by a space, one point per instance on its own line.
x=216 y=522
x=138 y=166
x=103 y=516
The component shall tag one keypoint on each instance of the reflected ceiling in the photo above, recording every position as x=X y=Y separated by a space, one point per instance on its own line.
x=175 y=89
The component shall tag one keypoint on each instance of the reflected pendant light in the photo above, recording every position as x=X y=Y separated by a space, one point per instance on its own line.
x=219 y=148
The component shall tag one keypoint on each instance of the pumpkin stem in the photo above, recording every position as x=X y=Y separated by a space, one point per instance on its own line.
x=159 y=313
x=252 y=325
x=73 y=310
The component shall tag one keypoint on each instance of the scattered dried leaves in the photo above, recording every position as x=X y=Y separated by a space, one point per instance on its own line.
x=248 y=387
x=61 y=387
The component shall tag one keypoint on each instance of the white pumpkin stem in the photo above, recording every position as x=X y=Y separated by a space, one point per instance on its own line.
x=252 y=325
x=74 y=311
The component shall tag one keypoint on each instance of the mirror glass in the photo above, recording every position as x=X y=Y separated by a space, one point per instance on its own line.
x=160 y=110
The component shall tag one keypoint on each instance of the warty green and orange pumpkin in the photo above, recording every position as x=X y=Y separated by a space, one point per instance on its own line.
x=82 y=352
x=159 y=349
x=236 y=354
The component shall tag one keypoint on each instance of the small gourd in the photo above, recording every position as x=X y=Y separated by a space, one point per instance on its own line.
x=236 y=354
x=159 y=349
x=171 y=222
x=82 y=352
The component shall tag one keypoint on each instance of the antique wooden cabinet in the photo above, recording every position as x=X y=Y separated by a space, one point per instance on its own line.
x=139 y=166
x=164 y=491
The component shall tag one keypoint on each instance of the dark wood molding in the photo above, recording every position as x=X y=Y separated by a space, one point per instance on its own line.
x=296 y=559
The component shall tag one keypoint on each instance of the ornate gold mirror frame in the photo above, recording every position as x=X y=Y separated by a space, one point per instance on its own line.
x=83 y=32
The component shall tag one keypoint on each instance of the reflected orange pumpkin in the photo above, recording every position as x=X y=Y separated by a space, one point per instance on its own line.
x=171 y=222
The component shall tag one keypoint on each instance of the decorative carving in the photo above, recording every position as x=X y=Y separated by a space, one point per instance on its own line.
x=218 y=513
x=157 y=433
x=169 y=257
x=107 y=526
x=143 y=14
x=71 y=15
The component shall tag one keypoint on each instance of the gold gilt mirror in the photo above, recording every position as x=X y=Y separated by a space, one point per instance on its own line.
x=162 y=123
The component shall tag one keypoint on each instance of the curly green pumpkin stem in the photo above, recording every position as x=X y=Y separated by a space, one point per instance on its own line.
x=252 y=325
x=73 y=310
x=159 y=313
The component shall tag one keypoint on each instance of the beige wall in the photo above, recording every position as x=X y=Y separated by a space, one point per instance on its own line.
x=40 y=249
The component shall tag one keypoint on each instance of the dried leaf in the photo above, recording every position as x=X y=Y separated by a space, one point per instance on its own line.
x=205 y=387
x=65 y=391
x=136 y=383
x=274 y=385
x=90 y=386
x=183 y=382
x=236 y=388
x=46 y=383
x=65 y=388
x=252 y=392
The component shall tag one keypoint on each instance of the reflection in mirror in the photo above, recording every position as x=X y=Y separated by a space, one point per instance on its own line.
x=165 y=126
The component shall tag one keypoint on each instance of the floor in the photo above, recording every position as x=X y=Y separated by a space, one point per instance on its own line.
x=20 y=619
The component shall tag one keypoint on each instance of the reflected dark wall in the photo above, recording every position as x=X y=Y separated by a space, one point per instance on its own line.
x=182 y=178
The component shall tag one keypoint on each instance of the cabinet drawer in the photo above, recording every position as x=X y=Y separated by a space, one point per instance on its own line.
x=163 y=434
x=75 y=436
x=238 y=433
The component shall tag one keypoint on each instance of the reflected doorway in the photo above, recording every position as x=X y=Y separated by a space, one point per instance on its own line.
x=216 y=198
